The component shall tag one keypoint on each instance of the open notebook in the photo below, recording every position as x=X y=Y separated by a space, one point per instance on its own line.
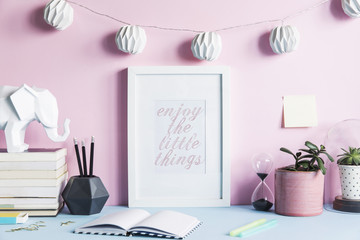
x=168 y=224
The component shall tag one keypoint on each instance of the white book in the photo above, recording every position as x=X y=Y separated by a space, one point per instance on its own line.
x=33 y=182
x=34 y=154
x=28 y=201
x=169 y=224
x=37 y=212
x=32 y=191
x=14 y=174
x=32 y=165
x=30 y=206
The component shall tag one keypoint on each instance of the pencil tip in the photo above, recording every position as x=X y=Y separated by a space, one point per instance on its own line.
x=92 y=139
x=75 y=140
x=82 y=142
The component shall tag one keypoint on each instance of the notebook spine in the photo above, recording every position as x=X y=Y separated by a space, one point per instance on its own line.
x=152 y=235
x=162 y=235
x=99 y=233
x=197 y=226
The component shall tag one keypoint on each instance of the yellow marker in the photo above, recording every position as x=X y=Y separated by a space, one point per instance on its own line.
x=259 y=228
x=253 y=224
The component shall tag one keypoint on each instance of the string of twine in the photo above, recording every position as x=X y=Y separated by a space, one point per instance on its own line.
x=282 y=20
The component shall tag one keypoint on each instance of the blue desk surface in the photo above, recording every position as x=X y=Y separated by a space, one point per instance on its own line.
x=217 y=222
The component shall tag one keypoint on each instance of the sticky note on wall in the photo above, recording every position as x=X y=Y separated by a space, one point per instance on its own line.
x=300 y=111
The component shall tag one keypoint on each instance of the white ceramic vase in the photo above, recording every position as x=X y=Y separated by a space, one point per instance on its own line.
x=350 y=181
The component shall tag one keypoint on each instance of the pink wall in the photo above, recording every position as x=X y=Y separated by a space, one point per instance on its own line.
x=83 y=69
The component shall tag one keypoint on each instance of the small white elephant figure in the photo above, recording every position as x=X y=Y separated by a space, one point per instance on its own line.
x=19 y=106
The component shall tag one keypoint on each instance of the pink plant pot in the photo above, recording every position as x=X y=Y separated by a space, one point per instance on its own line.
x=298 y=193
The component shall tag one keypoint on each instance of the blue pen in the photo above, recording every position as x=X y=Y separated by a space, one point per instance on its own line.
x=266 y=225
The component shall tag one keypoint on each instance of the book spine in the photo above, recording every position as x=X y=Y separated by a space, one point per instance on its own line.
x=34 y=155
x=23 y=201
x=33 y=182
x=33 y=174
x=31 y=165
x=32 y=191
x=36 y=212
x=27 y=206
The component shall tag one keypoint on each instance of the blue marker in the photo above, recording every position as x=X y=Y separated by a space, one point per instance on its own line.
x=251 y=231
x=236 y=232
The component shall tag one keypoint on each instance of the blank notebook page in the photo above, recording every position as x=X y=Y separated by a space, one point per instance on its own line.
x=123 y=219
x=172 y=222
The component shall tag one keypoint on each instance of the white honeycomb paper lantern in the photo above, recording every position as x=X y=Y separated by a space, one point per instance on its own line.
x=59 y=14
x=131 y=39
x=284 y=39
x=206 y=46
x=351 y=7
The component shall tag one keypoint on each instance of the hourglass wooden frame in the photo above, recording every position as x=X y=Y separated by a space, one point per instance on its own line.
x=153 y=186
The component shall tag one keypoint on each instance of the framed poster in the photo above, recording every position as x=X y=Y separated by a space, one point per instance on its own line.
x=178 y=136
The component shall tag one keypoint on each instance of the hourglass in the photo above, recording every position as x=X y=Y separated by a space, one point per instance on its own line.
x=262 y=198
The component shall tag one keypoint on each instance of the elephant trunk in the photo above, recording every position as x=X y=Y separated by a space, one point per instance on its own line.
x=52 y=133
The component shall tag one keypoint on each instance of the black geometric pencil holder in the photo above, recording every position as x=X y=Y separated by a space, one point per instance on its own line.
x=85 y=195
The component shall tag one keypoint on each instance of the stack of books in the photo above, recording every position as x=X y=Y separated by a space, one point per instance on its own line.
x=33 y=181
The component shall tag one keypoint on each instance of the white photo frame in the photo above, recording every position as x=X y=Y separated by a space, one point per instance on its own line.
x=178 y=136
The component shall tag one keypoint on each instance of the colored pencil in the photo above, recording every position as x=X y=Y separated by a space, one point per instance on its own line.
x=84 y=158
x=78 y=157
x=92 y=155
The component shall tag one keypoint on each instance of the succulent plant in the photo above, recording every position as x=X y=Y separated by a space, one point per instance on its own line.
x=351 y=157
x=310 y=160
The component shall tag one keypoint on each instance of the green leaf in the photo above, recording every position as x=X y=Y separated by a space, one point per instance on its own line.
x=307 y=151
x=321 y=165
x=311 y=146
x=304 y=164
x=290 y=168
x=340 y=160
x=345 y=149
x=329 y=156
x=287 y=151
x=311 y=163
x=356 y=160
x=306 y=156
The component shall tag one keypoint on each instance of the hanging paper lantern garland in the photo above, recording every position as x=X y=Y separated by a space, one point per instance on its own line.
x=284 y=39
x=206 y=46
x=351 y=7
x=131 y=39
x=59 y=14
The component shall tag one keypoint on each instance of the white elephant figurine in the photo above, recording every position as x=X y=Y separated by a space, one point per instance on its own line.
x=19 y=106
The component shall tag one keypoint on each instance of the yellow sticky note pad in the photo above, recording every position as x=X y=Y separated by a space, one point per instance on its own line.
x=300 y=111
